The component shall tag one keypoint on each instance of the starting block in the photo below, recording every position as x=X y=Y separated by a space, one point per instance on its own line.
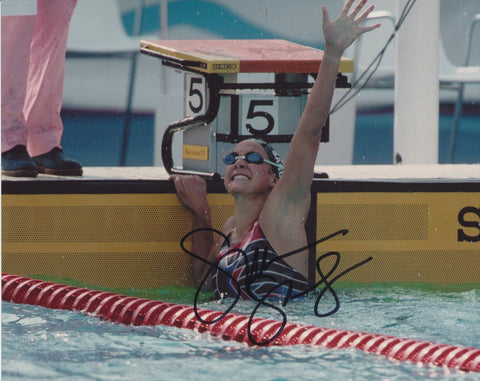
x=235 y=89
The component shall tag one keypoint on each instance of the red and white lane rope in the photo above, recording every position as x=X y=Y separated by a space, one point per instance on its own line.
x=136 y=311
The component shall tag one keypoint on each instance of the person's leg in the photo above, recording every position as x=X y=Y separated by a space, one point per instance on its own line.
x=45 y=87
x=46 y=75
x=16 y=33
x=16 y=36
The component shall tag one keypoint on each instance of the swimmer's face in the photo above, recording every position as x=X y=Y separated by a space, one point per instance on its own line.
x=242 y=176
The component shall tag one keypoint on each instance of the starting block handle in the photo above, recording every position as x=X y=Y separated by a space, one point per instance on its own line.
x=184 y=125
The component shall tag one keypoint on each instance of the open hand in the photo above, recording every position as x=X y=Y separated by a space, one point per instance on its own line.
x=342 y=32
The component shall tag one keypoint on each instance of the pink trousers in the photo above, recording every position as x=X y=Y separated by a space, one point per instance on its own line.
x=33 y=70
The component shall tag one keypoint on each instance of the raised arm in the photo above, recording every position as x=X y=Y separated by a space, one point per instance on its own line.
x=339 y=34
x=285 y=211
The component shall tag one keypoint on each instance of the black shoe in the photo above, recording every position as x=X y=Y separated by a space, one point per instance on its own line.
x=18 y=163
x=55 y=162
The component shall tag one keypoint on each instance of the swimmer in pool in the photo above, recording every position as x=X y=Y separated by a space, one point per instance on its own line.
x=272 y=200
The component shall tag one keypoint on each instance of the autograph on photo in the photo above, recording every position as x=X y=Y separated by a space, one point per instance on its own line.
x=256 y=270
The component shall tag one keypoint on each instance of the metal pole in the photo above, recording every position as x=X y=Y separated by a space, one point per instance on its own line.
x=416 y=118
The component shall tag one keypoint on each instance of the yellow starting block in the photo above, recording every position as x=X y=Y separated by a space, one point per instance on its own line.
x=240 y=56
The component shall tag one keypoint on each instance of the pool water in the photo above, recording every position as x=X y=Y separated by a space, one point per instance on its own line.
x=44 y=344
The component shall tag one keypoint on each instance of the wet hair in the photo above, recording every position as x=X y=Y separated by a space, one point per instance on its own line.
x=273 y=156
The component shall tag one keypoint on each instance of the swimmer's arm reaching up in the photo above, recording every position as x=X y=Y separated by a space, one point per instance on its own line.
x=300 y=161
x=284 y=213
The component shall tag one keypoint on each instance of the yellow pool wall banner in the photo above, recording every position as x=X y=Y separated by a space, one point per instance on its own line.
x=431 y=237
x=132 y=239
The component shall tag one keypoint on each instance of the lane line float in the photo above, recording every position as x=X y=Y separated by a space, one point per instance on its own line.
x=137 y=311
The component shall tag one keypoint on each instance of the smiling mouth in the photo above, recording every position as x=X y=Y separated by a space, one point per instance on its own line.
x=240 y=177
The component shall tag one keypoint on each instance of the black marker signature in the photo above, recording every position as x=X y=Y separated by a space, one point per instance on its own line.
x=259 y=265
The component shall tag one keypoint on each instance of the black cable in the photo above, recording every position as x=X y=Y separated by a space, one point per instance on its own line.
x=375 y=64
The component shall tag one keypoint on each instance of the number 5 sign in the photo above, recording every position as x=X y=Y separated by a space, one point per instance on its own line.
x=195 y=95
x=258 y=115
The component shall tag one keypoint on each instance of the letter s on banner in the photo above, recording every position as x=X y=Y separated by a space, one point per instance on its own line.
x=469 y=222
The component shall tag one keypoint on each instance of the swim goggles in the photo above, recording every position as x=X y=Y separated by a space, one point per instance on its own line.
x=251 y=157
